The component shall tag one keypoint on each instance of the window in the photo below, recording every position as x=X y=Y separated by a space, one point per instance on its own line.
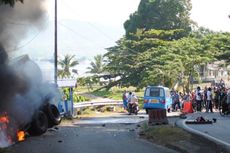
x=167 y=92
x=154 y=92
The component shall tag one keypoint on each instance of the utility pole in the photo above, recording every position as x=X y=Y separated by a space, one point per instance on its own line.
x=55 y=43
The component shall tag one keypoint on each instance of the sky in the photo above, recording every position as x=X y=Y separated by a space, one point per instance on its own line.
x=87 y=27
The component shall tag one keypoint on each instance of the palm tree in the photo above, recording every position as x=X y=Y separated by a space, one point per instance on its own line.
x=96 y=66
x=66 y=63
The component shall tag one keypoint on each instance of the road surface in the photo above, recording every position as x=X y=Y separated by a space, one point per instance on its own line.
x=118 y=135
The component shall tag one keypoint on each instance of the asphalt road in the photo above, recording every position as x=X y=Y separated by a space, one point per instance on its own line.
x=89 y=137
x=218 y=130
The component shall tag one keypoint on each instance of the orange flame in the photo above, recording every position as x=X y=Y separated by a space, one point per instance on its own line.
x=21 y=135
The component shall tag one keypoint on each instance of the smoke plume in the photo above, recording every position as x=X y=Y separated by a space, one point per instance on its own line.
x=16 y=21
x=20 y=94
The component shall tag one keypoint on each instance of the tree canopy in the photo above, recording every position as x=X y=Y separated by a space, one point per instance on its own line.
x=10 y=2
x=160 y=15
x=161 y=47
x=151 y=57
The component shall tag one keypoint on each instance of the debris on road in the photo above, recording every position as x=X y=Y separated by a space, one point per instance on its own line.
x=199 y=120
x=103 y=125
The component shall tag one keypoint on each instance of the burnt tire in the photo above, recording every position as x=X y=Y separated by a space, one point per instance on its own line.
x=53 y=114
x=39 y=124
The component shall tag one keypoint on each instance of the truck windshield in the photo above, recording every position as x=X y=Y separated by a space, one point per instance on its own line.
x=154 y=92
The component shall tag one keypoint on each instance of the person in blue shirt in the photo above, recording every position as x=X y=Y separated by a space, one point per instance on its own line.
x=125 y=99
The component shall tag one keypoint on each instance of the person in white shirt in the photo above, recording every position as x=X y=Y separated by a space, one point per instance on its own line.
x=209 y=100
x=133 y=103
x=198 y=99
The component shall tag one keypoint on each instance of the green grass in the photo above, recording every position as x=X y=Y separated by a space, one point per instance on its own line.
x=116 y=93
x=95 y=111
x=164 y=134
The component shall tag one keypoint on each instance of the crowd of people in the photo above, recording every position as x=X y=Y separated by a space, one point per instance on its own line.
x=207 y=99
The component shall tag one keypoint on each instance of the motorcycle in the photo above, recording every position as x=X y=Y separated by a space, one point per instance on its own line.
x=133 y=108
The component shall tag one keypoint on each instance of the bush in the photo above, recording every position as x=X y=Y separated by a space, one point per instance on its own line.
x=78 y=98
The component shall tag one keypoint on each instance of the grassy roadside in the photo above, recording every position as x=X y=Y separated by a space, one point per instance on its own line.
x=177 y=139
x=116 y=93
x=164 y=134
x=91 y=111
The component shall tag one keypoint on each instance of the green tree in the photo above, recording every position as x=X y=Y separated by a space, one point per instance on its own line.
x=96 y=66
x=66 y=63
x=152 y=58
x=10 y=2
x=160 y=15
x=160 y=48
x=217 y=45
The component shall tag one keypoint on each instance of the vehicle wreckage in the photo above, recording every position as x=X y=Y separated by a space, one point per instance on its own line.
x=28 y=103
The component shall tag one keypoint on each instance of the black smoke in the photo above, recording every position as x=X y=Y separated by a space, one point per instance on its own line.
x=15 y=22
x=10 y=83
x=17 y=96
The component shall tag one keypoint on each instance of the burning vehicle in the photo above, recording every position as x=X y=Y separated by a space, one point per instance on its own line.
x=27 y=102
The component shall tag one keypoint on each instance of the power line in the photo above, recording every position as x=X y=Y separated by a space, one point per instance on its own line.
x=27 y=43
x=72 y=30
x=8 y=21
x=89 y=40
x=100 y=31
x=78 y=34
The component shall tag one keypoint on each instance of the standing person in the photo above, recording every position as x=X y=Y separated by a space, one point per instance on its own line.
x=228 y=99
x=125 y=99
x=176 y=101
x=198 y=99
x=222 y=84
x=216 y=96
x=129 y=99
x=205 y=104
x=223 y=99
x=209 y=100
x=193 y=97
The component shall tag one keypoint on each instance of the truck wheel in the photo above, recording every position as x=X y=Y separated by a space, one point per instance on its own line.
x=53 y=115
x=39 y=124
